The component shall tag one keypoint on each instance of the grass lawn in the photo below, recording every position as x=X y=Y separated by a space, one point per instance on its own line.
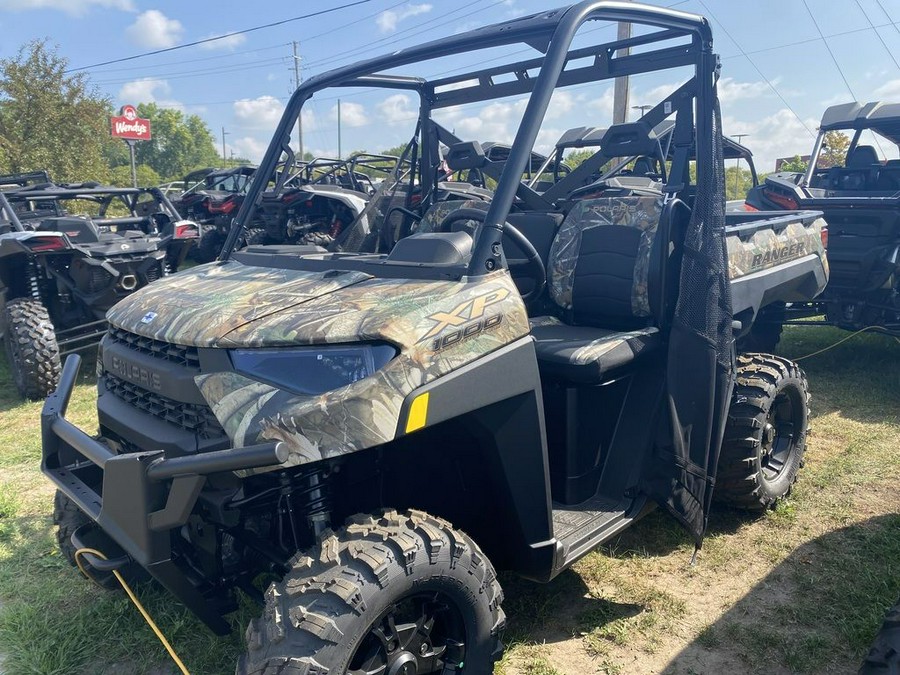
x=801 y=589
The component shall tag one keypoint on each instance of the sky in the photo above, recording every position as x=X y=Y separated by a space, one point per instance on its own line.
x=783 y=63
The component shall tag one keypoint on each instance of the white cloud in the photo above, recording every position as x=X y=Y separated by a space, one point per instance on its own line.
x=248 y=147
x=258 y=113
x=72 y=7
x=397 y=109
x=495 y=122
x=387 y=21
x=561 y=103
x=148 y=90
x=778 y=135
x=890 y=90
x=731 y=90
x=352 y=114
x=604 y=106
x=224 y=42
x=153 y=29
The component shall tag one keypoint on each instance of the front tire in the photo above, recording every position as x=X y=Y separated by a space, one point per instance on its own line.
x=31 y=348
x=394 y=593
x=68 y=517
x=765 y=436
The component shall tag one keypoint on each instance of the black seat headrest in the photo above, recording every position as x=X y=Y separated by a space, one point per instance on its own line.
x=465 y=155
x=629 y=138
x=863 y=156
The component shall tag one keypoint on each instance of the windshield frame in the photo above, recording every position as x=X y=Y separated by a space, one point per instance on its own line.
x=550 y=32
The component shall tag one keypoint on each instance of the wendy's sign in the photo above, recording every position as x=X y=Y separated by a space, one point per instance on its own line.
x=129 y=126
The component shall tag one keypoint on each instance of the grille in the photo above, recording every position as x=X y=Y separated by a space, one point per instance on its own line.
x=198 y=419
x=183 y=356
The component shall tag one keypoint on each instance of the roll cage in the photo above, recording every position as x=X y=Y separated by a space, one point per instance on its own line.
x=551 y=33
x=880 y=118
x=32 y=202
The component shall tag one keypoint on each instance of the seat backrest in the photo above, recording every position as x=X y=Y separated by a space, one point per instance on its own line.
x=643 y=166
x=436 y=213
x=863 y=156
x=80 y=229
x=602 y=258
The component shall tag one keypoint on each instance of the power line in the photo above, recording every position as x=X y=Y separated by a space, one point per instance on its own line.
x=756 y=68
x=182 y=62
x=240 y=52
x=231 y=68
x=392 y=39
x=806 y=41
x=893 y=23
x=878 y=35
x=221 y=37
x=828 y=47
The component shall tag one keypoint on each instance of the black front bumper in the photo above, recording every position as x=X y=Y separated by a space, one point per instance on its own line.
x=137 y=499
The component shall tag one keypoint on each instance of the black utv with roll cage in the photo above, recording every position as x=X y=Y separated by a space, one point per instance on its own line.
x=60 y=272
x=861 y=204
x=337 y=420
x=651 y=166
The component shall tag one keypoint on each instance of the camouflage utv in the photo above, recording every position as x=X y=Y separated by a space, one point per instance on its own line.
x=506 y=388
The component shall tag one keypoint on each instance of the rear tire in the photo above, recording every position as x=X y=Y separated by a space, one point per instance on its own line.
x=31 y=348
x=384 y=591
x=765 y=436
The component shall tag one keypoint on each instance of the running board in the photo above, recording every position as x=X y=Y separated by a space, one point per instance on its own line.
x=583 y=527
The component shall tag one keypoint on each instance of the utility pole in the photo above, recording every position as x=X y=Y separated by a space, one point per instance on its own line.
x=224 y=157
x=620 y=97
x=737 y=164
x=297 y=84
x=339 y=128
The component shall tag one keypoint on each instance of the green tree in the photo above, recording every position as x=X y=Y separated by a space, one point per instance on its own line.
x=49 y=119
x=180 y=143
x=737 y=182
x=834 y=151
x=795 y=165
x=120 y=176
x=575 y=158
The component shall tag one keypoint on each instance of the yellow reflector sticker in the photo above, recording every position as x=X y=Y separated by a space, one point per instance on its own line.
x=418 y=413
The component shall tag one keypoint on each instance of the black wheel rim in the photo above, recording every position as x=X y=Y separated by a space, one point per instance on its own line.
x=781 y=434
x=421 y=633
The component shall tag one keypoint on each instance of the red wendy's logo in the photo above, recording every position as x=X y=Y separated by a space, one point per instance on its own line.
x=129 y=126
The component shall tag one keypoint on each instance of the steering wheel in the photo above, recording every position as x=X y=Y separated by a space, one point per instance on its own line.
x=533 y=259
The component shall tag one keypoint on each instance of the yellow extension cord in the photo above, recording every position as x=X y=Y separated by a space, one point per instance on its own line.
x=137 y=603
x=877 y=329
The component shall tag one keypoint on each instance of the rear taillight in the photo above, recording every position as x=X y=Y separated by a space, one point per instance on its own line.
x=824 y=234
x=749 y=207
x=186 y=231
x=45 y=243
x=225 y=207
x=784 y=201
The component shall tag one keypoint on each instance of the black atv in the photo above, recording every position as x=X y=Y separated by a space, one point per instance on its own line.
x=861 y=203
x=213 y=202
x=378 y=431
x=61 y=272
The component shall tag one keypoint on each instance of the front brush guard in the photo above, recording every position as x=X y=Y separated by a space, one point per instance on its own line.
x=142 y=496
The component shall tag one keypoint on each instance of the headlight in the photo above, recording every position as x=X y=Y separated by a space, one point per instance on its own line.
x=313 y=370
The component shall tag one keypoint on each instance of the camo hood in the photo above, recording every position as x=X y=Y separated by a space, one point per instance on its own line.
x=199 y=307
